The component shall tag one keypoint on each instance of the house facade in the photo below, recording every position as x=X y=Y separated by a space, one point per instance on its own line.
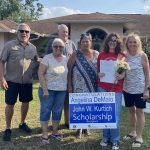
x=99 y=25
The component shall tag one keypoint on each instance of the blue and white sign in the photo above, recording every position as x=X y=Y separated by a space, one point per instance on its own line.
x=92 y=110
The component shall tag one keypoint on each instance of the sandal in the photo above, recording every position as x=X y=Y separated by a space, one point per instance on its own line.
x=128 y=137
x=45 y=140
x=136 y=144
x=57 y=137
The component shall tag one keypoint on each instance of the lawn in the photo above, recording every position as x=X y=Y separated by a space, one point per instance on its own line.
x=21 y=141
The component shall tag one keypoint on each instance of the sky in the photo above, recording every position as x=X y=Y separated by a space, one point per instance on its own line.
x=55 y=8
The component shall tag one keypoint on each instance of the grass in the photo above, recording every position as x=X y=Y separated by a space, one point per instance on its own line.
x=22 y=141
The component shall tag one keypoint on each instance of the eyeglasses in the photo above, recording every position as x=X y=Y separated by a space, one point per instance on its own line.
x=57 y=46
x=23 y=31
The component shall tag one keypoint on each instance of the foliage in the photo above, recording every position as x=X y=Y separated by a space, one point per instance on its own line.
x=20 y=10
x=146 y=46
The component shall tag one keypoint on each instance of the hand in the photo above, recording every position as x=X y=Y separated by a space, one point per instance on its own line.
x=70 y=90
x=146 y=94
x=46 y=94
x=4 y=84
x=100 y=75
x=120 y=76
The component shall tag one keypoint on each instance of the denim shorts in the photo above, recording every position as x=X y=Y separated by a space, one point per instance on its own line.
x=53 y=104
x=14 y=89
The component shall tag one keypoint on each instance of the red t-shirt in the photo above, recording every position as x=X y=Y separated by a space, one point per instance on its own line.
x=109 y=86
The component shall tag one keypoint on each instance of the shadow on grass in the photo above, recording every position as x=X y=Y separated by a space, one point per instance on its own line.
x=23 y=141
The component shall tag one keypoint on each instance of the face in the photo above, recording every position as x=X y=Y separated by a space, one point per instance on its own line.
x=132 y=44
x=86 y=44
x=112 y=43
x=58 y=49
x=63 y=33
x=23 y=33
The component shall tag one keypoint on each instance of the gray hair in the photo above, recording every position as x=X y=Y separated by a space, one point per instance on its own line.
x=62 y=26
x=58 y=40
x=22 y=24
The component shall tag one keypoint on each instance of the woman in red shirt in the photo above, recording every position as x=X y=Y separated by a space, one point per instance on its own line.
x=110 y=53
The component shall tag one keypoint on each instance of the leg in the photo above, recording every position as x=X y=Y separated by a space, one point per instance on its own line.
x=115 y=133
x=45 y=111
x=140 y=123
x=55 y=125
x=24 y=111
x=9 y=111
x=57 y=109
x=106 y=132
x=10 y=99
x=44 y=130
x=132 y=120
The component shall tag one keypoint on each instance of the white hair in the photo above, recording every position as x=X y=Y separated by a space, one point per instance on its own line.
x=22 y=24
x=58 y=40
x=62 y=26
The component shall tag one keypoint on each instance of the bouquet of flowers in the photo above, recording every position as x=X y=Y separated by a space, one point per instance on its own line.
x=122 y=65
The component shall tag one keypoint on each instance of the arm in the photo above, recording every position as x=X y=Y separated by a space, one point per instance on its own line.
x=71 y=61
x=146 y=69
x=41 y=72
x=3 y=82
x=100 y=74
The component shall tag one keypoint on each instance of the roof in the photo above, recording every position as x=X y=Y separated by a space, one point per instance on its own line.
x=8 y=26
x=11 y=26
x=45 y=27
x=142 y=25
x=92 y=18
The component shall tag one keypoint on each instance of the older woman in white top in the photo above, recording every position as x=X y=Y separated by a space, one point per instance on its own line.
x=136 y=83
x=53 y=80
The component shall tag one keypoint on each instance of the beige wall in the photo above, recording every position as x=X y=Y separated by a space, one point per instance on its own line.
x=77 y=29
x=4 y=37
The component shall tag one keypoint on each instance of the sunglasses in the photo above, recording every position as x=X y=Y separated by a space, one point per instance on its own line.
x=86 y=35
x=57 y=46
x=114 y=41
x=23 y=31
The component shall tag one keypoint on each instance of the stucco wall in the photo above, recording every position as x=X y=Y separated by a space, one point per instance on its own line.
x=77 y=29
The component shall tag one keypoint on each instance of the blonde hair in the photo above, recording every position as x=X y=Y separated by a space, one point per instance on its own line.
x=138 y=40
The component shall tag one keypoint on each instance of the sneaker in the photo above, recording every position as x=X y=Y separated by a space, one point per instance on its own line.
x=104 y=142
x=115 y=146
x=24 y=127
x=7 y=135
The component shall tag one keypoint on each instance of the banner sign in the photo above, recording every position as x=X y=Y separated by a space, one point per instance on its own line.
x=92 y=110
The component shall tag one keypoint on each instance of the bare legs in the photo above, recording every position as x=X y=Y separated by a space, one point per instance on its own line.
x=137 y=122
x=9 y=111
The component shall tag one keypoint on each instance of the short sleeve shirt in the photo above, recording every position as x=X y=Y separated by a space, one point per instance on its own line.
x=19 y=61
x=56 y=74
